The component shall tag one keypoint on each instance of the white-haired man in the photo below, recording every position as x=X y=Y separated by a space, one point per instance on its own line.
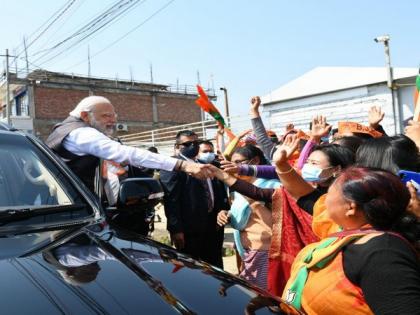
x=83 y=138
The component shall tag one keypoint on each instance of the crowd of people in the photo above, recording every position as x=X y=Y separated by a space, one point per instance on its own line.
x=328 y=218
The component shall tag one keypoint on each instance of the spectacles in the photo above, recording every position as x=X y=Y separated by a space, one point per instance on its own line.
x=242 y=162
x=109 y=115
x=189 y=143
x=106 y=115
x=316 y=163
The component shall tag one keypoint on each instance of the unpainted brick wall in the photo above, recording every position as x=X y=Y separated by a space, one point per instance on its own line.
x=53 y=105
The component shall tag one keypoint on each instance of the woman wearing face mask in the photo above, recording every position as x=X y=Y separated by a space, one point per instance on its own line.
x=251 y=220
x=324 y=163
x=294 y=223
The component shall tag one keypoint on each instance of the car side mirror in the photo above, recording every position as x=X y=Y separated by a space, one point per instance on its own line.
x=139 y=193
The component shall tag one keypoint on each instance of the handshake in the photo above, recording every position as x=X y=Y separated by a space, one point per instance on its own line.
x=203 y=171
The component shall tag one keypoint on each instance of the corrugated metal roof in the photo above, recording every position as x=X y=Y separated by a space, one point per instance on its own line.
x=328 y=79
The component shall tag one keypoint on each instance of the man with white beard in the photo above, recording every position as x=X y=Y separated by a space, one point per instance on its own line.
x=83 y=138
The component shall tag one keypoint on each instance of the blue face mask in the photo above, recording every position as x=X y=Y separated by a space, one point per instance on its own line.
x=311 y=173
x=325 y=139
x=207 y=157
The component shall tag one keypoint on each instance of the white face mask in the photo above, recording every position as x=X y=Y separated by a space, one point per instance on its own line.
x=312 y=173
x=207 y=157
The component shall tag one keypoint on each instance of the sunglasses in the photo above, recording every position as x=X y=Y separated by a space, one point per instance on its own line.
x=189 y=143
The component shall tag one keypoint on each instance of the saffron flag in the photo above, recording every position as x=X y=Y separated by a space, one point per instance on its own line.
x=417 y=100
x=204 y=102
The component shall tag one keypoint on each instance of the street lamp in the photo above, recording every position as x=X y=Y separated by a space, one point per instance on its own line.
x=226 y=105
x=385 y=39
x=390 y=82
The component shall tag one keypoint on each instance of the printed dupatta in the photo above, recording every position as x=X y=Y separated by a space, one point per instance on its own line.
x=240 y=211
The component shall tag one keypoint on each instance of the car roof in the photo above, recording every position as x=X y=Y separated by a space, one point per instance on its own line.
x=7 y=129
x=4 y=126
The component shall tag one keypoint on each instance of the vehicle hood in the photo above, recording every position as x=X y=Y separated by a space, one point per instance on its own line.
x=106 y=273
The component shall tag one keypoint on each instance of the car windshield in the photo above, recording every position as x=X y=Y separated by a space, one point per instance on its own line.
x=28 y=178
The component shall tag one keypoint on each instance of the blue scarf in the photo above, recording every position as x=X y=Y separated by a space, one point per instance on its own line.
x=240 y=211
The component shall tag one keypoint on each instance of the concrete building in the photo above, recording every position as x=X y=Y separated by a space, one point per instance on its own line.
x=342 y=94
x=43 y=99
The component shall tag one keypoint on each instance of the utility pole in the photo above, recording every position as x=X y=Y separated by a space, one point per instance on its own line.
x=88 y=61
x=198 y=78
x=16 y=62
x=89 y=73
x=202 y=113
x=8 y=109
x=26 y=56
x=151 y=73
x=131 y=75
x=396 y=110
x=226 y=105
x=212 y=82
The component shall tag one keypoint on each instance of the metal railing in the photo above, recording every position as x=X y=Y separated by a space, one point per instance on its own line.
x=164 y=138
x=172 y=88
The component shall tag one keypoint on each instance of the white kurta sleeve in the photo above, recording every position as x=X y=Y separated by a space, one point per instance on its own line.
x=87 y=140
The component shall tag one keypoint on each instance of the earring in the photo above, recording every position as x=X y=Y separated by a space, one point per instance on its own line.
x=349 y=213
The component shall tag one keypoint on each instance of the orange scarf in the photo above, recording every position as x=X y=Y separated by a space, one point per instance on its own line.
x=326 y=289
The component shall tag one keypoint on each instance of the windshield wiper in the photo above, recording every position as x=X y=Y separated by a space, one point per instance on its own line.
x=10 y=214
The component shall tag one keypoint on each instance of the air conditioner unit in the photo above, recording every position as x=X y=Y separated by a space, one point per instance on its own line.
x=122 y=127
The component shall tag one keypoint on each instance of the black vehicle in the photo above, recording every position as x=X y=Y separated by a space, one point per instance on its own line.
x=60 y=253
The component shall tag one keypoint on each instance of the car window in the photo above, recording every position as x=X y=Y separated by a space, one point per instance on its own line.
x=28 y=178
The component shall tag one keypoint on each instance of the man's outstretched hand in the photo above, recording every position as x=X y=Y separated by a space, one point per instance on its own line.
x=200 y=171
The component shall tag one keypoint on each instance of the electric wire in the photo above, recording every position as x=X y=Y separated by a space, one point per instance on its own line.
x=69 y=4
x=95 y=21
x=48 y=40
x=100 y=30
x=125 y=35
x=43 y=24
x=85 y=27
x=94 y=26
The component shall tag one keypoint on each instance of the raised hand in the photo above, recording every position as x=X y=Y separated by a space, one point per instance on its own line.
x=255 y=106
x=414 y=204
x=320 y=128
x=222 y=175
x=244 y=133
x=255 y=103
x=286 y=149
x=229 y=167
x=375 y=116
x=220 y=128
x=413 y=131
x=290 y=126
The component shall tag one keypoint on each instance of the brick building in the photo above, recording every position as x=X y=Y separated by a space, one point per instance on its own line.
x=43 y=99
